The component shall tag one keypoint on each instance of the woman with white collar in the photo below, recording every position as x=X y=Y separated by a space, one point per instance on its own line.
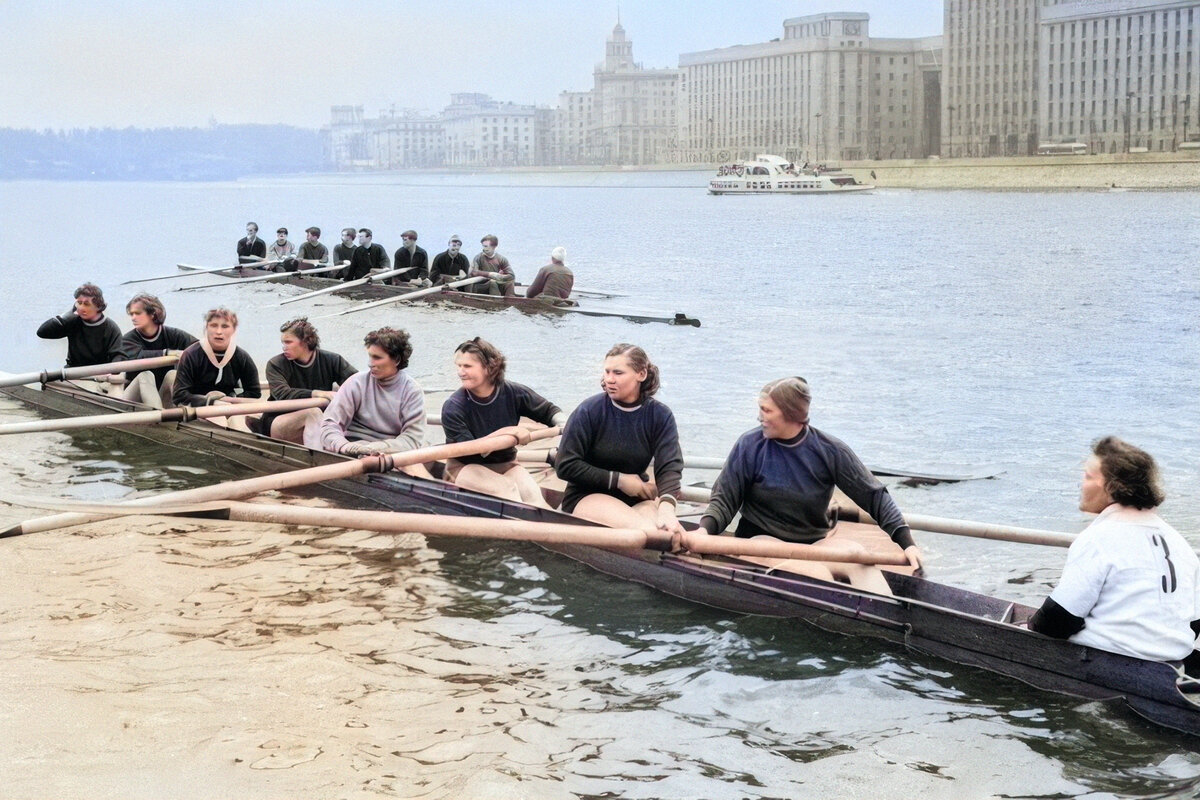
x=215 y=369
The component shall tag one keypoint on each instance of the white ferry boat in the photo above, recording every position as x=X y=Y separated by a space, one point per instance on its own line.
x=772 y=175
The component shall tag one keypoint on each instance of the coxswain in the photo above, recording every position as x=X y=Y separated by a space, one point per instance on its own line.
x=486 y=404
x=609 y=443
x=251 y=248
x=449 y=265
x=302 y=370
x=381 y=410
x=555 y=280
x=412 y=258
x=151 y=338
x=1131 y=583
x=215 y=370
x=781 y=476
x=92 y=338
x=493 y=266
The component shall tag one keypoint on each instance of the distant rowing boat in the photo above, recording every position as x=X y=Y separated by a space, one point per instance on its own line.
x=926 y=617
x=377 y=291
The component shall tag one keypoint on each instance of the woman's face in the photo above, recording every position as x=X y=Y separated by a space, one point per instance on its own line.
x=472 y=374
x=774 y=424
x=1093 y=494
x=293 y=348
x=140 y=318
x=621 y=381
x=381 y=365
x=220 y=331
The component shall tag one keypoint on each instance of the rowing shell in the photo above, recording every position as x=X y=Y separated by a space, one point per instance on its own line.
x=537 y=305
x=923 y=616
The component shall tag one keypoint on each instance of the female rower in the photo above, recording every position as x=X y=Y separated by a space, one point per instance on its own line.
x=487 y=404
x=302 y=370
x=215 y=369
x=609 y=442
x=781 y=477
x=150 y=338
x=378 y=411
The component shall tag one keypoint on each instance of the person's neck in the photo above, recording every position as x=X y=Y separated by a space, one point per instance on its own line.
x=150 y=330
x=483 y=391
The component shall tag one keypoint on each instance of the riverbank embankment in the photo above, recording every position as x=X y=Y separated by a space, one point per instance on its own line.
x=1180 y=170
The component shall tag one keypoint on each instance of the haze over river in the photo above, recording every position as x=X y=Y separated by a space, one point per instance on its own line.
x=943 y=332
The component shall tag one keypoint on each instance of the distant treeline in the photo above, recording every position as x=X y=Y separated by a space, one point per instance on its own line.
x=219 y=152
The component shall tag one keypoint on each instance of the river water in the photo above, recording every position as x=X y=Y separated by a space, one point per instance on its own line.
x=944 y=332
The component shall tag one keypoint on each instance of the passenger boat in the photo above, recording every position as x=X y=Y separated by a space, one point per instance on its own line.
x=769 y=174
x=380 y=290
x=923 y=616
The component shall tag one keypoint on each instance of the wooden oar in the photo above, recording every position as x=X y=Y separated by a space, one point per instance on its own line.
x=515 y=530
x=924 y=522
x=288 y=480
x=274 y=276
x=199 y=271
x=701 y=462
x=344 y=285
x=593 y=293
x=155 y=416
x=71 y=373
x=410 y=296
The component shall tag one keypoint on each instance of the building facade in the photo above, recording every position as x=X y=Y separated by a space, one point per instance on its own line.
x=1120 y=75
x=405 y=140
x=634 y=110
x=482 y=132
x=824 y=91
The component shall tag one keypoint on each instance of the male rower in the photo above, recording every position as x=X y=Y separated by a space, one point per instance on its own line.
x=283 y=251
x=1131 y=584
x=251 y=248
x=555 y=280
x=493 y=266
x=412 y=258
x=92 y=338
x=312 y=253
x=368 y=257
x=449 y=265
x=343 y=251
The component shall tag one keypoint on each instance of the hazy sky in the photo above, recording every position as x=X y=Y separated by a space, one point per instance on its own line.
x=82 y=63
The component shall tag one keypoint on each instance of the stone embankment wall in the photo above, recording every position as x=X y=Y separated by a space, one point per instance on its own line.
x=1179 y=170
x=1176 y=170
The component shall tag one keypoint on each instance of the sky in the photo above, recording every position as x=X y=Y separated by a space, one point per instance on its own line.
x=81 y=63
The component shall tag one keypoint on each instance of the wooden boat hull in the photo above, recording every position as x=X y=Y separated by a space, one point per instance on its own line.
x=923 y=616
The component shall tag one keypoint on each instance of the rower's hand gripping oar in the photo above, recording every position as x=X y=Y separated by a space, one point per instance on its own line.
x=71 y=373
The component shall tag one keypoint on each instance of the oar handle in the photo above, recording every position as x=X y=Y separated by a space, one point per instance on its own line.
x=411 y=295
x=703 y=544
x=71 y=373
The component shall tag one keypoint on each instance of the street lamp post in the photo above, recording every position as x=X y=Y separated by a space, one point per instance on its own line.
x=818 y=118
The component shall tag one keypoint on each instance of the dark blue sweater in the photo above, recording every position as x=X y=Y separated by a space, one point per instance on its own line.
x=465 y=417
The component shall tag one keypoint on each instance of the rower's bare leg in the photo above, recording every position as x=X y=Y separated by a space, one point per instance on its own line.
x=608 y=510
x=530 y=492
x=290 y=427
x=311 y=435
x=481 y=479
x=417 y=471
x=796 y=566
x=143 y=390
x=167 y=390
x=861 y=576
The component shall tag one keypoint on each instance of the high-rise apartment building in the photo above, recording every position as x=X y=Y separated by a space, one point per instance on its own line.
x=484 y=132
x=823 y=91
x=1121 y=74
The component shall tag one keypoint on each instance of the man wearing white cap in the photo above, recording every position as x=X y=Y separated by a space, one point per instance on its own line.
x=553 y=281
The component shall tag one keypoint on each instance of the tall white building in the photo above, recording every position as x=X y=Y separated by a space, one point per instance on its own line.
x=824 y=91
x=483 y=132
x=634 y=116
x=1120 y=74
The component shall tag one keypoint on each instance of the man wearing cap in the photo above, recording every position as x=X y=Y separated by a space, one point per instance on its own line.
x=412 y=258
x=251 y=248
x=555 y=280
x=312 y=252
x=450 y=264
x=367 y=257
x=283 y=251
x=493 y=266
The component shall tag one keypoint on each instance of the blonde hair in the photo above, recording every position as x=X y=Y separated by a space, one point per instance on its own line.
x=221 y=311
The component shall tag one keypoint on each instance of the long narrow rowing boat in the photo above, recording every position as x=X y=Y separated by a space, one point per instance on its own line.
x=378 y=291
x=923 y=616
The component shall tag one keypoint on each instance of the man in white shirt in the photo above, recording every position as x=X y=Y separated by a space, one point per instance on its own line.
x=1131 y=584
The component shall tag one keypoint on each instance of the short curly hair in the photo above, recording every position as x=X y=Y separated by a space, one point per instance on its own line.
x=1130 y=474
x=393 y=342
x=304 y=331
x=151 y=305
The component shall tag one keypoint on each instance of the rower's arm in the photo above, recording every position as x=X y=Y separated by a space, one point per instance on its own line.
x=1055 y=621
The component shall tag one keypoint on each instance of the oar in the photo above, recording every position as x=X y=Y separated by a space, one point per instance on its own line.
x=701 y=462
x=595 y=293
x=948 y=525
x=344 y=285
x=155 y=416
x=287 y=480
x=199 y=271
x=71 y=373
x=410 y=296
x=516 y=530
x=274 y=276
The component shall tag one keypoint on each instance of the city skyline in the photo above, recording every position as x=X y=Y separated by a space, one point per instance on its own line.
x=125 y=64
